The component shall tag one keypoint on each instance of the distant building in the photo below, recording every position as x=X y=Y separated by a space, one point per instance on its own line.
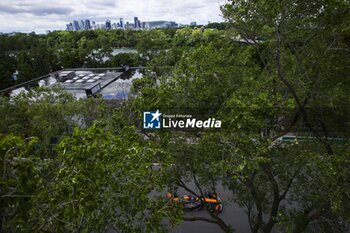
x=82 y=25
x=70 y=27
x=129 y=25
x=87 y=24
x=136 y=22
x=136 y=25
x=108 y=25
x=139 y=23
x=100 y=26
x=160 y=24
x=121 y=23
x=193 y=24
x=76 y=26
x=143 y=25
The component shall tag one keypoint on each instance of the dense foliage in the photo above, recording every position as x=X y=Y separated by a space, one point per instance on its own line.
x=275 y=68
x=34 y=55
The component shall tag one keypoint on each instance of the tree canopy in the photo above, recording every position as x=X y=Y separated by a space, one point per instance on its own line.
x=274 y=69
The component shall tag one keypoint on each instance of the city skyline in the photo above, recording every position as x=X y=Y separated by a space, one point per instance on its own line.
x=39 y=16
x=137 y=24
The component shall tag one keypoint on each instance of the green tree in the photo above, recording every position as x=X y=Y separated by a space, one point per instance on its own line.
x=47 y=114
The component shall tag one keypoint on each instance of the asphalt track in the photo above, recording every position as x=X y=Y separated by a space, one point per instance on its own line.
x=232 y=215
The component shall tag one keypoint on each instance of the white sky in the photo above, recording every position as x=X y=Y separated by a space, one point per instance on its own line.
x=42 y=15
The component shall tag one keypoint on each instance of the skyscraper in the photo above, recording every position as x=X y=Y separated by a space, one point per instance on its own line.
x=108 y=25
x=139 y=24
x=82 y=25
x=136 y=22
x=75 y=25
x=87 y=24
x=70 y=27
x=121 y=23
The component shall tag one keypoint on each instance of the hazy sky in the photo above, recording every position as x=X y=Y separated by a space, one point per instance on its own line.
x=42 y=15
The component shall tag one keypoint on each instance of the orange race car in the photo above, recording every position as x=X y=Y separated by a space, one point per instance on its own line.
x=210 y=200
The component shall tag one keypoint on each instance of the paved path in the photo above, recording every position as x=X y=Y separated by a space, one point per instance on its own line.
x=232 y=215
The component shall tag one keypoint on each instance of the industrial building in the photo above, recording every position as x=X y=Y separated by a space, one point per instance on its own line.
x=84 y=83
x=111 y=83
